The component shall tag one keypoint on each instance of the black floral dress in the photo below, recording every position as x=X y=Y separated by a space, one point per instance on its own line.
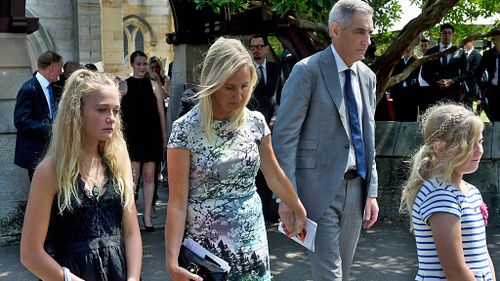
x=87 y=240
x=224 y=210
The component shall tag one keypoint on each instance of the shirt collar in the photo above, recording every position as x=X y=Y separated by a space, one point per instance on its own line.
x=341 y=65
x=263 y=64
x=444 y=47
x=42 y=80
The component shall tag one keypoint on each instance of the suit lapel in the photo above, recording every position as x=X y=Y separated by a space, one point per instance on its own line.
x=330 y=73
x=41 y=96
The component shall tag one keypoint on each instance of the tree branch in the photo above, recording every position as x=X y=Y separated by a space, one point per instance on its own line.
x=384 y=65
x=414 y=65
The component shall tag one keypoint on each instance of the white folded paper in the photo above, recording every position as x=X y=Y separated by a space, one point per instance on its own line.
x=310 y=234
x=202 y=252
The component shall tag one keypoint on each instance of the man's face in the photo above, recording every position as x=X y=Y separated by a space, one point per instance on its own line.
x=258 y=49
x=446 y=36
x=351 y=42
x=54 y=70
x=468 y=46
x=424 y=46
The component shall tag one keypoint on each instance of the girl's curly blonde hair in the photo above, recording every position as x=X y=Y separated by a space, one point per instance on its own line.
x=455 y=129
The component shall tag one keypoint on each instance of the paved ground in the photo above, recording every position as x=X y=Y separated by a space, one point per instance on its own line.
x=385 y=253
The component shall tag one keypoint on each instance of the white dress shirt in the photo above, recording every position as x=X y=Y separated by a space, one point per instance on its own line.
x=264 y=70
x=342 y=66
x=45 y=83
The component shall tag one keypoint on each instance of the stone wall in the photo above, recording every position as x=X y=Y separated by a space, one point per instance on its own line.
x=396 y=141
x=57 y=20
x=15 y=69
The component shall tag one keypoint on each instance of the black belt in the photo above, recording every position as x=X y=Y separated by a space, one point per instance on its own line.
x=351 y=174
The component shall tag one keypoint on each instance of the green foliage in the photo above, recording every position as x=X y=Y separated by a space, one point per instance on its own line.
x=468 y=10
x=462 y=17
x=217 y=5
x=275 y=44
x=386 y=13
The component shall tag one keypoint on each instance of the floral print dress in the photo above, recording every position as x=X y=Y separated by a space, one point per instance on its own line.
x=224 y=210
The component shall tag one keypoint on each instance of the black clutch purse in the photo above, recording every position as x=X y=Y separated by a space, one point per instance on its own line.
x=205 y=267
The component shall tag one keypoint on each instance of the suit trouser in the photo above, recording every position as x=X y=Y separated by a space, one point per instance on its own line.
x=338 y=233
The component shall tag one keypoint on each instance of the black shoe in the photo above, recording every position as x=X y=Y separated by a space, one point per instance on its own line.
x=148 y=228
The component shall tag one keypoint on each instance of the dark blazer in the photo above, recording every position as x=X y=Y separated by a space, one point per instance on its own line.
x=33 y=122
x=488 y=63
x=473 y=61
x=412 y=79
x=456 y=70
x=266 y=96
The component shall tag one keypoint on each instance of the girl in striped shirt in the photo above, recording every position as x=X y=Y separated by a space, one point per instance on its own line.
x=448 y=215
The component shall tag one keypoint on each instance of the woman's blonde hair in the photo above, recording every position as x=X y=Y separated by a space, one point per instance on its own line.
x=66 y=143
x=157 y=60
x=452 y=128
x=224 y=58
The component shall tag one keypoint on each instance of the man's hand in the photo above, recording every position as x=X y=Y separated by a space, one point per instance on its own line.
x=371 y=212
x=444 y=83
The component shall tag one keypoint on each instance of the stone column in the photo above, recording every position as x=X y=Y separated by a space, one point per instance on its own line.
x=88 y=13
x=15 y=69
x=186 y=57
x=112 y=36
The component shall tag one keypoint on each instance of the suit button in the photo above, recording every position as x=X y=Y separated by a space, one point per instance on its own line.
x=346 y=146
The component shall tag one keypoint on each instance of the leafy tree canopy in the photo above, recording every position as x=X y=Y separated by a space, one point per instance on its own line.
x=460 y=13
x=387 y=12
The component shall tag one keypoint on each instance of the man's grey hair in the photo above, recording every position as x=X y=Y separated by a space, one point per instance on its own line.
x=343 y=11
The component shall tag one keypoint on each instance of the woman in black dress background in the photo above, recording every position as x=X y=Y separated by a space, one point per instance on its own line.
x=144 y=127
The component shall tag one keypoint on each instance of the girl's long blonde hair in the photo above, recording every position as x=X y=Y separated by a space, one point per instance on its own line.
x=224 y=58
x=66 y=141
x=455 y=129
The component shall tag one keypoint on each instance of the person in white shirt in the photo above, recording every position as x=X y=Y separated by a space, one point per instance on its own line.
x=470 y=89
x=35 y=111
x=445 y=74
x=491 y=88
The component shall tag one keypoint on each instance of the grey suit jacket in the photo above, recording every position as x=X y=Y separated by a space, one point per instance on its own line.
x=310 y=137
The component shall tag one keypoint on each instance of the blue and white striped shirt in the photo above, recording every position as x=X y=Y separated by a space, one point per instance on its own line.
x=439 y=197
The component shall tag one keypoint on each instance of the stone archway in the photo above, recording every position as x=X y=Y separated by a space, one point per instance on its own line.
x=38 y=41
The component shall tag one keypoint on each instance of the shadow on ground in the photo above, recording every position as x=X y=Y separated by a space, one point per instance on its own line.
x=385 y=253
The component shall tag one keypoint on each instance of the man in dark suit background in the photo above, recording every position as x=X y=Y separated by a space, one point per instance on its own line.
x=470 y=89
x=267 y=93
x=35 y=111
x=445 y=74
x=265 y=99
x=491 y=89
x=58 y=86
x=404 y=94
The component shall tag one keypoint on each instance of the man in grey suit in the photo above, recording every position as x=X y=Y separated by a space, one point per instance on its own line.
x=324 y=140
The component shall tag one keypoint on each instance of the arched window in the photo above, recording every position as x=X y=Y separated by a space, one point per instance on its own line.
x=133 y=40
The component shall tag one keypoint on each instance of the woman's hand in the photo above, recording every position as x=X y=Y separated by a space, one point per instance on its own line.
x=300 y=220
x=293 y=221
x=181 y=274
